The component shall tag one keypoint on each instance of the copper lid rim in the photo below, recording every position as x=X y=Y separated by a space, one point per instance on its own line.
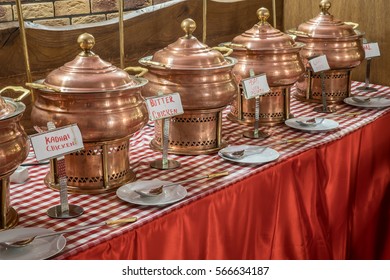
x=65 y=68
x=296 y=46
x=332 y=38
x=267 y=30
x=66 y=90
x=17 y=108
x=230 y=62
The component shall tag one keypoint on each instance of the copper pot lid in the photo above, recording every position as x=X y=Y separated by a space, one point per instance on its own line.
x=188 y=53
x=326 y=25
x=12 y=107
x=89 y=73
x=262 y=36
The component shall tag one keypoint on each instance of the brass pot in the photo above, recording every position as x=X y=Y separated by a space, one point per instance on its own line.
x=203 y=78
x=106 y=103
x=14 y=148
x=342 y=44
x=264 y=49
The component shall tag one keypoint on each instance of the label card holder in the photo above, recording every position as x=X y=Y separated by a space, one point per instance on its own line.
x=163 y=107
x=371 y=50
x=54 y=144
x=254 y=87
x=57 y=142
x=320 y=64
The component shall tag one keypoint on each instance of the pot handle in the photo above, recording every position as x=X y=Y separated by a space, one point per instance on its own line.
x=153 y=63
x=297 y=33
x=140 y=70
x=24 y=91
x=353 y=24
x=223 y=49
x=41 y=86
x=234 y=45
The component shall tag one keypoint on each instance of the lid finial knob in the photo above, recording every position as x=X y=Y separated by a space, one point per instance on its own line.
x=86 y=42
x=189 y=26
x=325 y=6
x=263 y=15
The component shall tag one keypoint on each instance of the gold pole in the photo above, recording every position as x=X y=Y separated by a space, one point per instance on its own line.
x=4 y=189
x=274 y=11
x=121 y=35
x=24 y=43
x=219 y=129
x=204 y=21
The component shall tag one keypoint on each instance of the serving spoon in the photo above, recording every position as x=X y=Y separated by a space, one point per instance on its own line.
x=361 y=100
x=159 y=190
x=311 y=122
x=239 y=154
x=27 y=241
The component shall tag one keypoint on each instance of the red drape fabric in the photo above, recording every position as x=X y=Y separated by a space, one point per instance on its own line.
x=331 y=202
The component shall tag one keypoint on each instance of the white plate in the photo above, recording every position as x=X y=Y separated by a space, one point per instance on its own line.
x=263 y=156
x=39 y=249
x=169 y=195
x=326 y=125
x=375 y=102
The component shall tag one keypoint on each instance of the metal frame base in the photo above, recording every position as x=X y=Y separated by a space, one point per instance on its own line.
x=74 y=211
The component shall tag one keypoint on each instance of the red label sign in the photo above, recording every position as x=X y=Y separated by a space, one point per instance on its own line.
x=164 y=106
x=57 y=142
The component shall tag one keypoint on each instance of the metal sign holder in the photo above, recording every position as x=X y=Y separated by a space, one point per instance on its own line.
x=165 y=163
x=256 y=133
x=64 y=210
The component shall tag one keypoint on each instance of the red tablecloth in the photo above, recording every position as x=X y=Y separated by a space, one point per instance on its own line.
x=326 y=198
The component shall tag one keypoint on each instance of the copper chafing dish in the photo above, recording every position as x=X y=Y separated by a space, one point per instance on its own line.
x=265 y=49
x=343 y=46
x=14 y=148
x=203 y=78
x=106 y=104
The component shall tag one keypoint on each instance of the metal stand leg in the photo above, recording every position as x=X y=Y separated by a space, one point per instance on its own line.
x=324 y=108
x=164 y=162
x=366 y=86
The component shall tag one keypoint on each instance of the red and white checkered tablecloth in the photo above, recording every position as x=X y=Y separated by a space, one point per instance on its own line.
x=32 y=198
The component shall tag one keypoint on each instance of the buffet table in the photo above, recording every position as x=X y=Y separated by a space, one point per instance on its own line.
x=327 y=197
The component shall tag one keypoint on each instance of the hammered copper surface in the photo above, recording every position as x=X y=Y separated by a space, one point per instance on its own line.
x=343 y=46
x=194 y=132
x=274 y=108
x=106 y=104
x=95 y=157
x=337 y=86
x=14 y=149
x=264 y=49
x=203 y=78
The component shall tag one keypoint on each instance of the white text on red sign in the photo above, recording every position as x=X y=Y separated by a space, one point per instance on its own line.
x=371 y=50
x=57 y=142
x=319 y=63
x=164 y=106
x=255 y=86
